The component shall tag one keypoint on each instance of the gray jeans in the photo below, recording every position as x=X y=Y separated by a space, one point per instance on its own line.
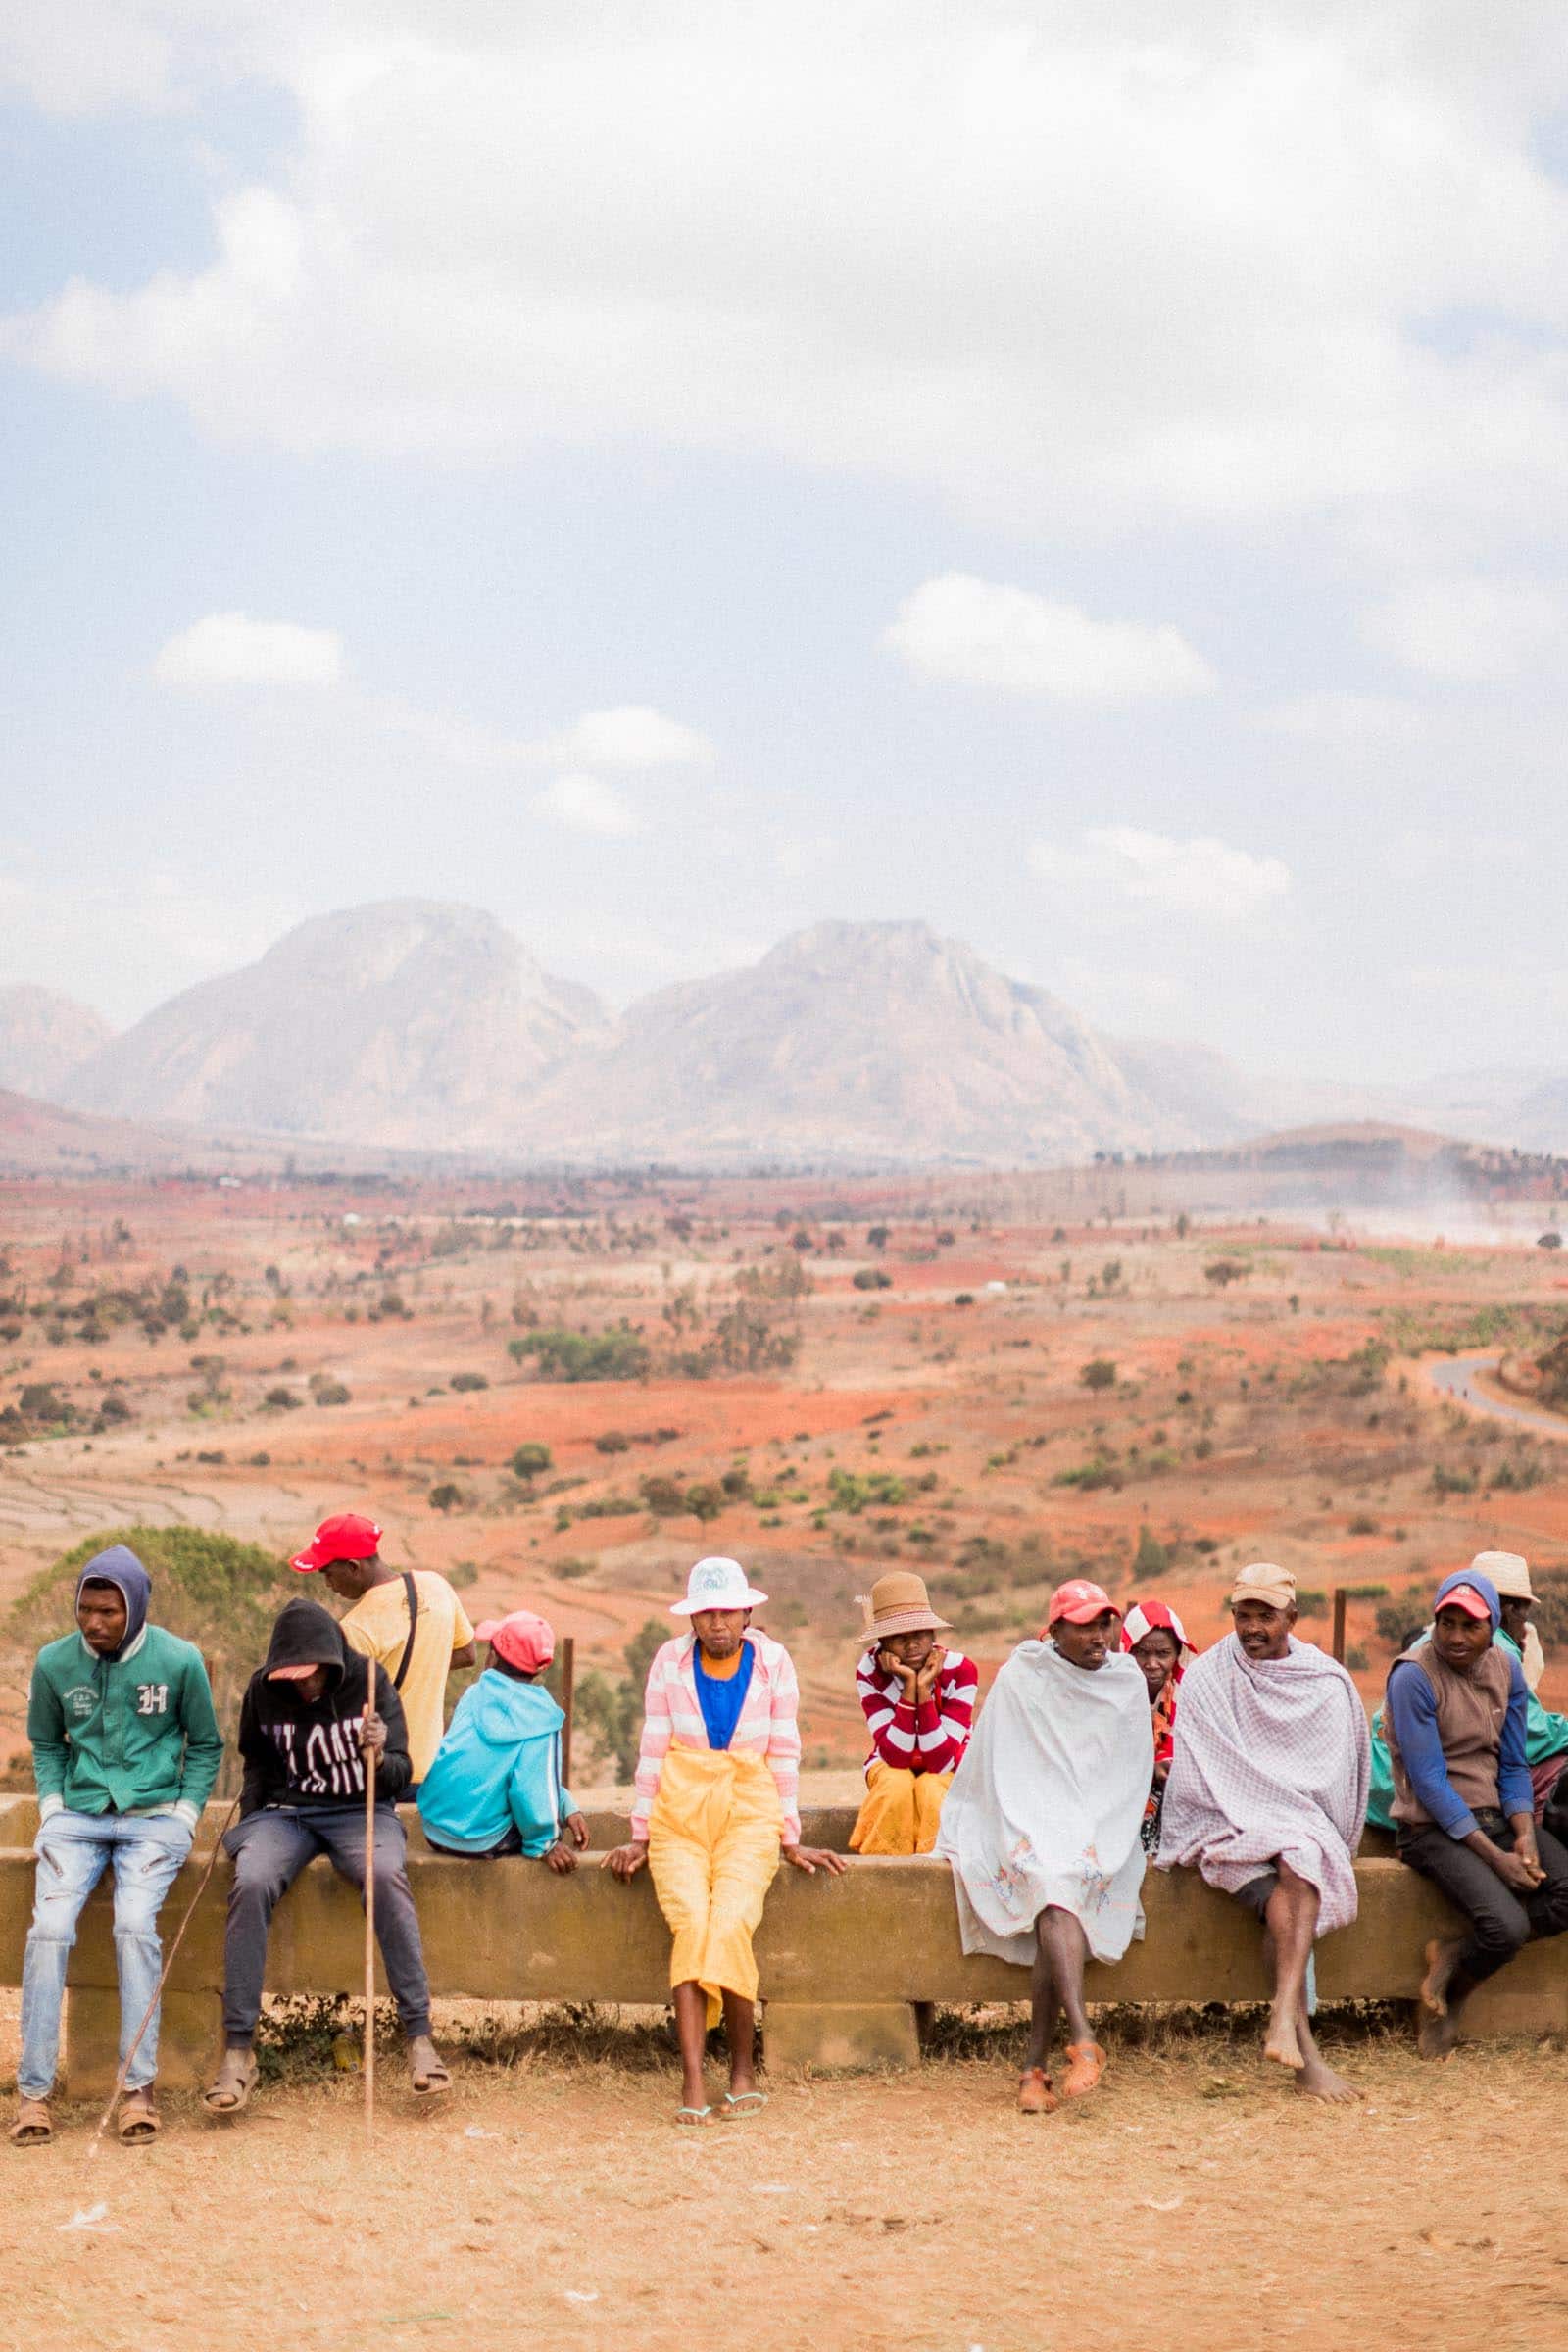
x=269 y=1849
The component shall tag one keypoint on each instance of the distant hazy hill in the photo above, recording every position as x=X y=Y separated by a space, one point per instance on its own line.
x=423 y=1026
x=43 y=1037
x=852 y=1042
x=410 y=1022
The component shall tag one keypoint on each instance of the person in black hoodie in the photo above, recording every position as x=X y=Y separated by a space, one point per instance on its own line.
x=310 y=1716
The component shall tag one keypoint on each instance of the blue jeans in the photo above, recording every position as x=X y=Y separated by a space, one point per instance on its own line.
x=73 y=1851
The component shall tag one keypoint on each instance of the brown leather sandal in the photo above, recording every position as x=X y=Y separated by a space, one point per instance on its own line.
x=34 y=2126
x=430 y=2076
x=137 y=2120
x=1086 y=2063
x=236 y=2079
x=1035 y=2094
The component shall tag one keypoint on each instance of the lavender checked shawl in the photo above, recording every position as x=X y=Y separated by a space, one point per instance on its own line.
x=1045 y=1807
x=1272 y=1757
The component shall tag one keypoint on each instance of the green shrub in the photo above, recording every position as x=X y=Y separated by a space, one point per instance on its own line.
x=530 y=1459
x=463 y=1383
x=619 y=1353
x=1152 y=1559
x=1098 y=1373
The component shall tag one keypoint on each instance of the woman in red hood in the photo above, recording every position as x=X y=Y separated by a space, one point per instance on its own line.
x=1157 y=1641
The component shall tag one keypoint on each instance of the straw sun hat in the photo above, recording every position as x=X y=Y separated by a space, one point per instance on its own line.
x=899 y=1603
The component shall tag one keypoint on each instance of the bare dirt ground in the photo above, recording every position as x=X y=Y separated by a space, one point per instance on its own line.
x=1192 y=2203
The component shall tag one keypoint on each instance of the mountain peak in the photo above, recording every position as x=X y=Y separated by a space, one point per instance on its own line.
x=410 y=1021
x=43 y=1037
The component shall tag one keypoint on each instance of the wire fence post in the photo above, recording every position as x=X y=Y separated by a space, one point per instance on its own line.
x=1336 y=1644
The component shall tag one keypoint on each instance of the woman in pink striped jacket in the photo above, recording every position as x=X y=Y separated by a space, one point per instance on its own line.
x=716 y=1804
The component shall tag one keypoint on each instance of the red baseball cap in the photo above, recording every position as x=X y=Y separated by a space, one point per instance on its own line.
x=523 y=1638
x=347 y=1537
x=1466 y=1597
x=1080 y=1602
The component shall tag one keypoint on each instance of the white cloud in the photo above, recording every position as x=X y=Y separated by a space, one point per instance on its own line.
x=588 y=805
x=1106 y=264
x=982 y=634
x=229 y=649
x=1472 y=631
x=631 y=736
x=1202 y=876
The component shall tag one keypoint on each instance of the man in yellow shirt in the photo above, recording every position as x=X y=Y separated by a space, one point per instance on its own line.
x=410 y=1620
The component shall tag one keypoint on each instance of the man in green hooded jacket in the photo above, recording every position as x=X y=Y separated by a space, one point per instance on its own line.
x=125 y=1748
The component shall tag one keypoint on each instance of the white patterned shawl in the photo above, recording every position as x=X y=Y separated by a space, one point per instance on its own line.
x=1045 y=1809
x=1272 y=1758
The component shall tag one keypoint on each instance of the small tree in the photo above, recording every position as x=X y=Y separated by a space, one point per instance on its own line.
x=1152 y=1559
x=530 y=1459
x=1098 y=1373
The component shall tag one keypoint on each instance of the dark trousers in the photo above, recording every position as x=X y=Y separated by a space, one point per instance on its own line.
x=1501 y=1923
x=269 y=1849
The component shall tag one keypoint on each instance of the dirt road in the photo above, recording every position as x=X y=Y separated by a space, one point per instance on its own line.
x=1461 y=1377
x=1195 y=2203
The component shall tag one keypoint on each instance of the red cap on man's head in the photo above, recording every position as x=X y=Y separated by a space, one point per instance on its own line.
x=1466 y=1597
x=348 y=1537
x=1080 y=1602
x=523 y=1638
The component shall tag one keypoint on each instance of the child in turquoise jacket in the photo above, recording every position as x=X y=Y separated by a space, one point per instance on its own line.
x=495 y=1786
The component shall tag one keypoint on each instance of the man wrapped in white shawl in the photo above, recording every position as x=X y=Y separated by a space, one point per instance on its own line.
x=1042 y=1823
x=1268 y=1796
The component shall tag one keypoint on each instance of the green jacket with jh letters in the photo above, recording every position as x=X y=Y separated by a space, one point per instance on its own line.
x=135 y=1734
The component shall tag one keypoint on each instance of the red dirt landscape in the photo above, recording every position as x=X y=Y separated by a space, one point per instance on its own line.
x=246 y=1355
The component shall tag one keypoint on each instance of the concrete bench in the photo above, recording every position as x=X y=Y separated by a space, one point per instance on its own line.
x=843 y=1960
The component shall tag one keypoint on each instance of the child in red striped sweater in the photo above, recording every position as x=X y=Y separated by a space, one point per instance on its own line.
x=918 y=1701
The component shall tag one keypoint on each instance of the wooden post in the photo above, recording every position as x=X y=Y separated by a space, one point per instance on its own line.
x=568 y=1678
x=1337 y=1645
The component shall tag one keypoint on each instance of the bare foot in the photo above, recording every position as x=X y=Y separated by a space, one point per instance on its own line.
x=1283 y=2045
x=1319 y=2081
x=1441 y=1961
x=1439 y=2034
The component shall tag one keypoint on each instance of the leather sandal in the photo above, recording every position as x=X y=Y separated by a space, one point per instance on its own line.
x=1086 y=2063
x=236 y=2079
x=34 y=2126
x=428 y=2074
x=137 y=2120
x=1035 y=2094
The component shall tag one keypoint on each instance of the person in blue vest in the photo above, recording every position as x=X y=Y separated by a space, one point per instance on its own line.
x=494 y=1787
x=125 y=1748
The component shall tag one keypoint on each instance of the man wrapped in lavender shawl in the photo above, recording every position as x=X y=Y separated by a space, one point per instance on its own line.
x=1268 y=1796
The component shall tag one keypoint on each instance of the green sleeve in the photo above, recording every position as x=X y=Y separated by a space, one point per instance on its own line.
x=204 y=1741
x=46 y=1729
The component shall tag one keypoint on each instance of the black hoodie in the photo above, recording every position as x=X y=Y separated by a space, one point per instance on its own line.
x=307 y=1752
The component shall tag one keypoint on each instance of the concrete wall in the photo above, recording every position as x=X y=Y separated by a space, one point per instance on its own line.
x=841 y=1959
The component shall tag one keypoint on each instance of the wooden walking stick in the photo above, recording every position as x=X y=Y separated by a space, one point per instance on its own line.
x=369 y=1758
x=568 y=1689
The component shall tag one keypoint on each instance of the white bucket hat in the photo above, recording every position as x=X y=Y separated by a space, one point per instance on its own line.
x=717 y=1583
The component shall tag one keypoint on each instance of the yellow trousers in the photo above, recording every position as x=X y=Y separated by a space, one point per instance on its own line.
x=712 y=1849
x=900 y=1811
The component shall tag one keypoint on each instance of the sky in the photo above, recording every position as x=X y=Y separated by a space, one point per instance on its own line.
x=1092 y=476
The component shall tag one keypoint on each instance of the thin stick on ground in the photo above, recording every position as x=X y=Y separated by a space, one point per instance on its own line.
x=129 y=2059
